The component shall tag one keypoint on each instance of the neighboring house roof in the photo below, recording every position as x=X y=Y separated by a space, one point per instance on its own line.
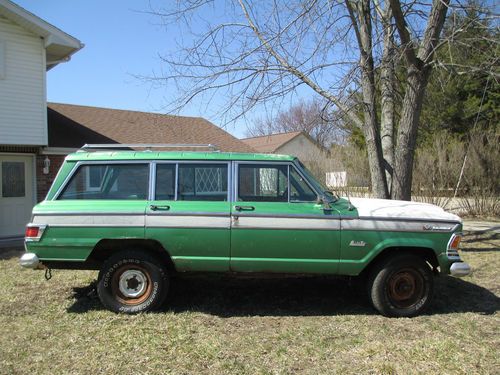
x=272 y=142
x=59 y=45
x=72 y=126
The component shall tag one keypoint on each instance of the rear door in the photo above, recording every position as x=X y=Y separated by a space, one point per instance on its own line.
x=190 y=213
x=277 y=224
x=16 y=193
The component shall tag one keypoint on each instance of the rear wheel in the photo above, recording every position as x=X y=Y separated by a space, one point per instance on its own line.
x=401 y=286
x=132 y=282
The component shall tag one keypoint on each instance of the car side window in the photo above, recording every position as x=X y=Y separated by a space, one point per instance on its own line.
x=300 y=191
x=202 y=182
x=108 y=181
x=165 y=182
x=262 y=183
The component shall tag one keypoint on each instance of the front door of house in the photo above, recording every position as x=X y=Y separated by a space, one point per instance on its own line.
x=16 y=193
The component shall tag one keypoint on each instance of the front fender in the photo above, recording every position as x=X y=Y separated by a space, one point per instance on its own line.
x=360 y=249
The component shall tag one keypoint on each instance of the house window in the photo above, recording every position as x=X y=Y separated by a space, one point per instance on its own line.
x=94 y=177
x=13 y=179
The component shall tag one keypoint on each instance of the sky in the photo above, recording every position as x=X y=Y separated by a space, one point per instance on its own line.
x=122 y=41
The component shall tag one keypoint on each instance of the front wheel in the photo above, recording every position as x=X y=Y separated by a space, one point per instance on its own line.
x=132 y=282
x=401 y=286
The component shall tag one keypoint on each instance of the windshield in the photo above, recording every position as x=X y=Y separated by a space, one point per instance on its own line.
x=317 y=184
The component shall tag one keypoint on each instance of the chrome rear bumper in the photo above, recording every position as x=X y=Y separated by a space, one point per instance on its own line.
x=30 y=260
x=460 y=269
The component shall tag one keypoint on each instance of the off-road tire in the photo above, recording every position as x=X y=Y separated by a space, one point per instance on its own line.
x=132 y=282
x=401 y=286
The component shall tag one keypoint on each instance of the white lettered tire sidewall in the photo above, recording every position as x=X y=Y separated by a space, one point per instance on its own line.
x=156 y=277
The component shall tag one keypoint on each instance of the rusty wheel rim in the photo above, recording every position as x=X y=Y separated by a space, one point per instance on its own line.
x=132 y=284
x=405 y=288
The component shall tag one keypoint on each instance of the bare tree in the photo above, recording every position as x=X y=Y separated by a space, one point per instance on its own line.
x=310 y=117
x=262 y=52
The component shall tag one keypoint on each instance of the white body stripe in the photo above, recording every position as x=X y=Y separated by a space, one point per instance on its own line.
x=90 y=220
x=238 y=222
x=177 y=221
x=393 y=226
x=285 y=223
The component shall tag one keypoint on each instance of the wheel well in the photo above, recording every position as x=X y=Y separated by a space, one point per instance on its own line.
x=427 y=254
x=105 y=248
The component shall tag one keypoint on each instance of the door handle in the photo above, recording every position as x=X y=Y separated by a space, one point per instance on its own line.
x=244 y=208
x=154 y=207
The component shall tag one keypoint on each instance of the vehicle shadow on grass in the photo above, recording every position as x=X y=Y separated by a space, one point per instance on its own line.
x=298 y=296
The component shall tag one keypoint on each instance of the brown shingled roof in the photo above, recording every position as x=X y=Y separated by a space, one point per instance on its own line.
x=75 y=125
x=270 y=143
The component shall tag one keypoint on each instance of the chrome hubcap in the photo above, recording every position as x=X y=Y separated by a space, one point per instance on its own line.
x=132 y=283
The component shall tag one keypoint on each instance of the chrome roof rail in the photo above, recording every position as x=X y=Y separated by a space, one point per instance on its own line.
x=147 y=146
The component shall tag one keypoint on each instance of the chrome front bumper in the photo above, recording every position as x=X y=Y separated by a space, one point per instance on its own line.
x=460 y=269
x=30 y=260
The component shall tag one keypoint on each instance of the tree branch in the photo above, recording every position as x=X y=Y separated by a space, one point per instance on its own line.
x=296 y=72
x=402 y=27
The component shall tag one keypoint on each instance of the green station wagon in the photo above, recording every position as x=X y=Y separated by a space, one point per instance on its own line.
x=140 y=217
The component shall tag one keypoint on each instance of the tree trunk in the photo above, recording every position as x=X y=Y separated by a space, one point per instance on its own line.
x=419 y=69
x=387 y=89
x=370 y=120
x=407 y=132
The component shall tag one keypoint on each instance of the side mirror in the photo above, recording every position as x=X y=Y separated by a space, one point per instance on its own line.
x=325 y=203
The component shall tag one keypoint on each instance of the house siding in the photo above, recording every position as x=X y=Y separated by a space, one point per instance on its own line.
x=23 y=111
x=301 y=147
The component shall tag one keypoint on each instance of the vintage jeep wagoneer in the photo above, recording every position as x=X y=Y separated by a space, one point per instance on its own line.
x=142 y=216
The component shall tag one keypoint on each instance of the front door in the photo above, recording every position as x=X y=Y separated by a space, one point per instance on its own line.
x=277 y=224
x=16 y=193
x=190 y=214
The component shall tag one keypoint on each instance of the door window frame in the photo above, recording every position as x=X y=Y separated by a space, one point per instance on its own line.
x=154 y=163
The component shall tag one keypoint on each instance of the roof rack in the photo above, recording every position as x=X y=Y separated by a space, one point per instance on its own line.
x=148 y=146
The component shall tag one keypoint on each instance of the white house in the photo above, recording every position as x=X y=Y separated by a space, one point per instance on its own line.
x=29 y=46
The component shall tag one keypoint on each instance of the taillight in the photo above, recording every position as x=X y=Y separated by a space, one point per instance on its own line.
x=34 y=232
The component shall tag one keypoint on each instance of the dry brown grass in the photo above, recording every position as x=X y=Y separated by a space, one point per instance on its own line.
x=273 y=326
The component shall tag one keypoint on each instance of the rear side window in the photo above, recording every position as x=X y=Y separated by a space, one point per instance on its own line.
x=202 y=182
x=108 y=181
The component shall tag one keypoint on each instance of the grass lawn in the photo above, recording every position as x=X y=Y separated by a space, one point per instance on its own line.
x=272 y=326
